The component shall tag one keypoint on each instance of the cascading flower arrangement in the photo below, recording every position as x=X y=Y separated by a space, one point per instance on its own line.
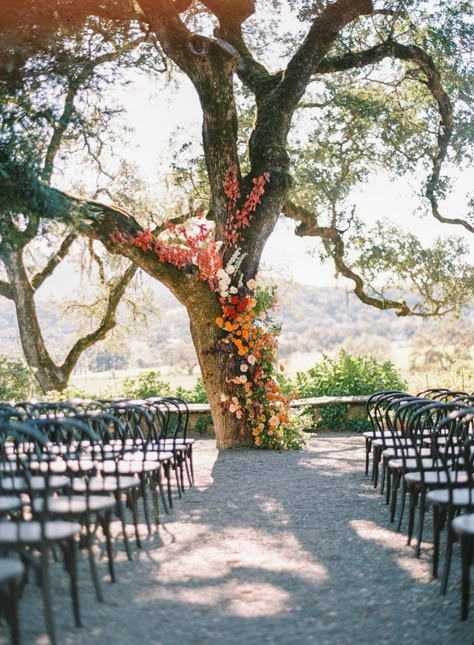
x=251 y=341
x=250 y=336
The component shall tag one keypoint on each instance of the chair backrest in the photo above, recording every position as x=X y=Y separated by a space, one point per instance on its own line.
x=384 y=409
x=454 y=443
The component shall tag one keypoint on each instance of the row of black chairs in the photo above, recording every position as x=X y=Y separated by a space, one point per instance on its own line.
x=66 y=468
x=422 y=448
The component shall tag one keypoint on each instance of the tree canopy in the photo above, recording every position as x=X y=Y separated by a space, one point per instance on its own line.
x=301 y=102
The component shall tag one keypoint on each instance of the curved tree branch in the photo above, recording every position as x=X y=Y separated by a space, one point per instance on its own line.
x=321 y=36
x=38 y=279
x=308 y=227
x=108 y=322
x=392 y=49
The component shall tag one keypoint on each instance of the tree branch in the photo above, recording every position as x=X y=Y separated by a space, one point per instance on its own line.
x=53 y=261
x=6 y=290
x=308 y=227
x=321 y=36
x=107 y=323
x=392 y=49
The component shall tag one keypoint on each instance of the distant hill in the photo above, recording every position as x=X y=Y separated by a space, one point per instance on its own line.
x=315 y=320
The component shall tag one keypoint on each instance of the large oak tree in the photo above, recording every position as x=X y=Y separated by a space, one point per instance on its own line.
x=383 y=82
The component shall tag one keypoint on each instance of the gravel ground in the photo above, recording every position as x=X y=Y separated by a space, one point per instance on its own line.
x=283 y=548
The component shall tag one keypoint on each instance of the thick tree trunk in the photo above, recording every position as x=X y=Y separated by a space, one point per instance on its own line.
x=203 y=308
x=49 y=376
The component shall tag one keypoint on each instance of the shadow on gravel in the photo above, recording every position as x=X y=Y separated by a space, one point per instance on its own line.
x=284 y=548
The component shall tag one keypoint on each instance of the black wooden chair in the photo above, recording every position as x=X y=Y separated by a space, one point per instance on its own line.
x=11 y=573
x=30 y=536
x=463 y=525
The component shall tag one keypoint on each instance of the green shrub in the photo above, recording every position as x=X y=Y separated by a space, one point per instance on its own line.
x=16 y=379
x=346 y=375
x=145 y=385
x=197 y=394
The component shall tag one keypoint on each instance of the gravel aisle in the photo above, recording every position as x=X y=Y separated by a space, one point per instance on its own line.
x=283 y=548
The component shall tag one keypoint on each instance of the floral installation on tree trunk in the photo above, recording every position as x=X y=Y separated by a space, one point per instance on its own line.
x=250 y=335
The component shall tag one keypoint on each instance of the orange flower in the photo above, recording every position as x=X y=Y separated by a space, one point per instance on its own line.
x=220 y=322
x=258 y=441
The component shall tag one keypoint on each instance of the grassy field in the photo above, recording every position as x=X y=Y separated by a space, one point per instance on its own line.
x=111 y=382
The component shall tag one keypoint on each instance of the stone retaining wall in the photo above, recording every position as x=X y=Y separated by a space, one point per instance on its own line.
x=200 y=421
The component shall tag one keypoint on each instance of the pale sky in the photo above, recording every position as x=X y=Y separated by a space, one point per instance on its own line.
x=285 y=255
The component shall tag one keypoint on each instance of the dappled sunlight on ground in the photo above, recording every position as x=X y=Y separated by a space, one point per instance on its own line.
x=417 y=568
x=245 y=599
x=211 y=554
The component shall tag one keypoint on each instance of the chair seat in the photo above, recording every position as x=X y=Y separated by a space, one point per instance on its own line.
x=464 y=524
x=104 y=484
x=127 y=467
x=457 y=496
x=32 y=532
x=36 y=483
x=411 y=464
x=74 y=504
x=373 y=435
x=9 y=503
x=10 y=569
x=431 y=478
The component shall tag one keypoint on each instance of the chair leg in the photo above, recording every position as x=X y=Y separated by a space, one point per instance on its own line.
x=144 y=484
x=46 y=591
x=449 y=551
x=383 y=466
x=121 y=512
x=411 y=515
x=162 y=493
x=190 y=470
x=92 y=564
x=436 y=538
x=105 y=522
x=403 y=495
x=395 y=487
x=71 y=566
x=389 y=477
x=367 y=453
x=12 y=615
x=467 y=555
x=375 y=466
x=421 y=521
x=133 y=503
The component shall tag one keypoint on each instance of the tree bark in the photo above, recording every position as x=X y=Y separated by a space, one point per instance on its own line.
x=48 y=375
x=203 y=309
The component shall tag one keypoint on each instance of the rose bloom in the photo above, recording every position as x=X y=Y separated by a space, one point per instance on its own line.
x=243 y=379
x=233 y=290
x=251 y=284
x=244 y=367
x=251 y=359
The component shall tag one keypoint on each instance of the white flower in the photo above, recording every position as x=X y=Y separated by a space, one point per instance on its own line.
x=243 y=378
x=230 y=269
x=252 y=284
x=224 y=397
x=251 y=359
x=244 y=367
x=233 y=290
